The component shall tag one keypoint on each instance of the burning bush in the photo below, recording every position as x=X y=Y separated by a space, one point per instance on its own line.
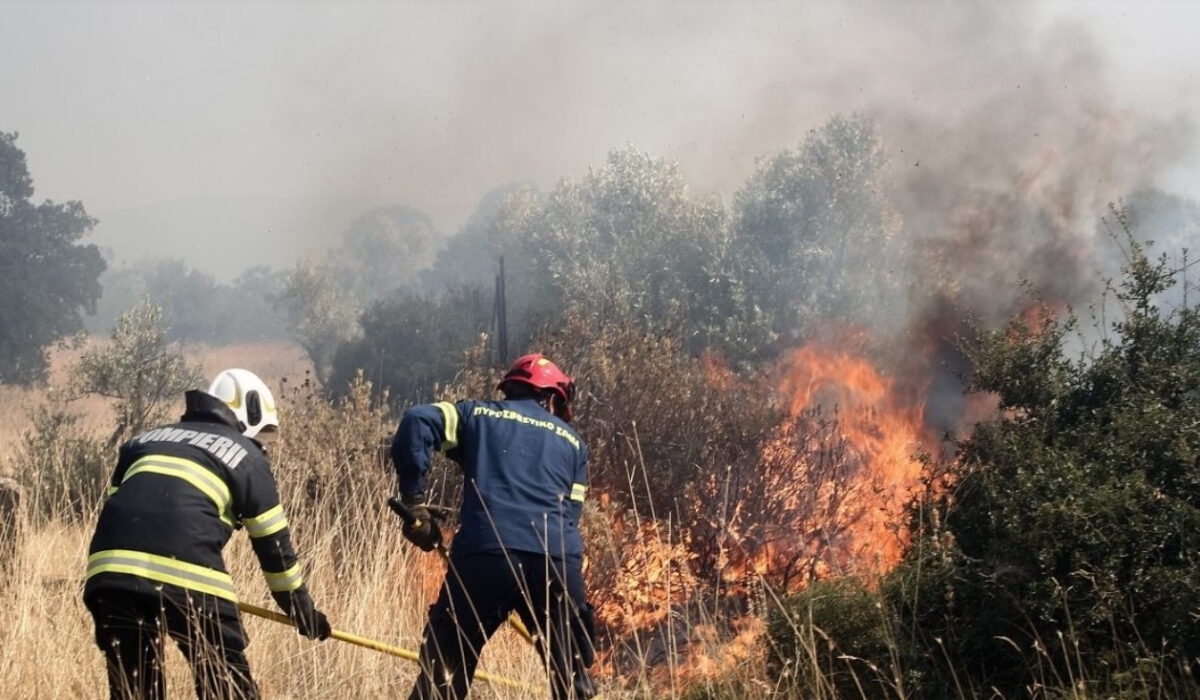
x=1066 y=553
x=708 y=485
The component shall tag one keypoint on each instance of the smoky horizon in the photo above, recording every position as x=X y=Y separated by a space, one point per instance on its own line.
x=236 y=136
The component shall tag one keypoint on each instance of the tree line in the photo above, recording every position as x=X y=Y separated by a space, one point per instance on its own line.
x=810 y=244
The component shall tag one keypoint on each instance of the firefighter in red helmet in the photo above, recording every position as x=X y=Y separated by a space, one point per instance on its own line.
x=518 y=547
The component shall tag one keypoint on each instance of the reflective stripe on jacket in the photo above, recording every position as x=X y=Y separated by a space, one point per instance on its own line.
x=176 y=495
x=525 y=472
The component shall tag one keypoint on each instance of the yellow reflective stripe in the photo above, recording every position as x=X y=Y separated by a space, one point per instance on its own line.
x=284 y=581
x=450 y=417
x=268 y=523
x=164 y=570
x=208 y=483
x=578 y=491
x=201 y=472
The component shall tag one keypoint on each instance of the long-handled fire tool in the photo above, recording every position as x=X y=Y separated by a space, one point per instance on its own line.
x=411 y=521
x=380 y=646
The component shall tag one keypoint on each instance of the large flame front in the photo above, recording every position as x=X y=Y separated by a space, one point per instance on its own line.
x=842 y=468
x=826 y=496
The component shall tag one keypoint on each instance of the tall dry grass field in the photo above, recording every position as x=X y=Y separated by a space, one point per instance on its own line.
x=18 y=403
x=666 y=634
x=334 y=483
x=374 y=586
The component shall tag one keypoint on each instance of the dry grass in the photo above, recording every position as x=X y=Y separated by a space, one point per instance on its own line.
x=272 y=361
x=360 y=571
x=18 y=403
x=49 y=651
x=333 y=481
x=377 y=589
x=15 y=406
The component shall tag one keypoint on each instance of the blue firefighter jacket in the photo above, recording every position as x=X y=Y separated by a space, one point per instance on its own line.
x=525 y=472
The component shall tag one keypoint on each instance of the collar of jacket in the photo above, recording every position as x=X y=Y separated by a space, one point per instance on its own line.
x=534 y=399
x=203 y=407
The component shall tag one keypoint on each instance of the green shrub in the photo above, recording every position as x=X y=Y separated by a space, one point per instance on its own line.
x=141 y=372
x=411 y=343
x=833 y=639
x=1071 y=539
x=62 y=467
x=65 y=467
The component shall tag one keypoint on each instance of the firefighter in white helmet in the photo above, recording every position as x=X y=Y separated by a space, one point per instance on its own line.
x=155 y=568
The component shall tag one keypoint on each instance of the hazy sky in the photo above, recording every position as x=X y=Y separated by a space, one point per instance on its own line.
x=246 y=133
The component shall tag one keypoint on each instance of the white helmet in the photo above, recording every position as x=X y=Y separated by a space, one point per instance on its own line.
x=249 y=399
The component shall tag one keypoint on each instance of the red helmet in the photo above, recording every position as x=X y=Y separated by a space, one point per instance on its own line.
x=540 y=373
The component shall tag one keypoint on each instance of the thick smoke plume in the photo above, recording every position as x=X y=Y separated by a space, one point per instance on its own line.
x=1002 y=168
x=1006 y=183
x=1007 y=132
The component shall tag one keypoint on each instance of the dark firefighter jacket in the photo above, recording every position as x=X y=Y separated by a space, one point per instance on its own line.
x=177 y=494
x=525 y=472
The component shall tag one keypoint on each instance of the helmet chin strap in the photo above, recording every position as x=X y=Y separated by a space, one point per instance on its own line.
x=559 y=407
x=547 y=400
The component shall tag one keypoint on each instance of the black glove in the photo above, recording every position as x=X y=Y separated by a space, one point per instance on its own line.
x=421 y=526
x=299 y=606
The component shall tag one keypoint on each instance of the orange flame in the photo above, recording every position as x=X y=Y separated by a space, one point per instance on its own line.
x=842 y=492
x=651 y=575
x=827 y=497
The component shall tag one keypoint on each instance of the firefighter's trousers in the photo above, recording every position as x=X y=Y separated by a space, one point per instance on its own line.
x=131 y=630
x=477 y=596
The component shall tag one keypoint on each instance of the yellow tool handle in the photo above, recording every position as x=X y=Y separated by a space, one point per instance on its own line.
x=378 y=646
x=514 y=620
x=406 y=515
